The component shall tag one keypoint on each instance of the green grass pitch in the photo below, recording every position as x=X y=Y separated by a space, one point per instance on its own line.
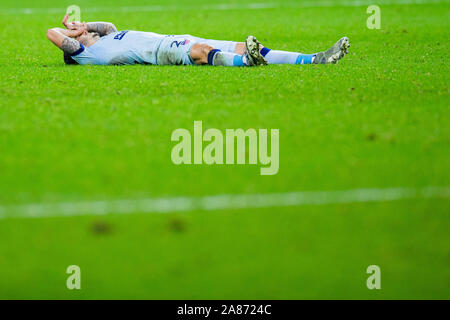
x=378 y=119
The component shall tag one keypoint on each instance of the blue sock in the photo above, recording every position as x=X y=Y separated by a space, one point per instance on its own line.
x=286 y=57
x=305 y=58
x=217 y=57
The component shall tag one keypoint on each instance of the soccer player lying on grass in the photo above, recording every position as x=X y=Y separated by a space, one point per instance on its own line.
x=100 y=43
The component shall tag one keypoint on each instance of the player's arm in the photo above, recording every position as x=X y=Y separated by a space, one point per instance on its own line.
x=63 y=39
x=102 y=28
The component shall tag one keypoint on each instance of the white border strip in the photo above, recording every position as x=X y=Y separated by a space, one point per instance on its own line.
x=225 y=6
x=218 y=202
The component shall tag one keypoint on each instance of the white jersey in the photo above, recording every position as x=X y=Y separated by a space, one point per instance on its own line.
x=124 y=47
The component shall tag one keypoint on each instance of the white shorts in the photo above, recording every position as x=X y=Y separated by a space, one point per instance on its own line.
x=176 y=50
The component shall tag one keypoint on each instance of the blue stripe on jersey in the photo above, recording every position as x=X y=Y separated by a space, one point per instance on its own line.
x=78 y=51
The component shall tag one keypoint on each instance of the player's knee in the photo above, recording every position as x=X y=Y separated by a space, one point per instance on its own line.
x=199 y=53
x=240 y=48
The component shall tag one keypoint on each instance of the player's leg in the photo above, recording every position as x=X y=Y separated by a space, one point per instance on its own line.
x=286 y=57
x=225 y=45
x=332 y=55
x=185 y=50
x=203 y=53
x=278 y=56
x=222 y=45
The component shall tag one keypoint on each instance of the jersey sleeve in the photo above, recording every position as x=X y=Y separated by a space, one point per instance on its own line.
x=87 y=56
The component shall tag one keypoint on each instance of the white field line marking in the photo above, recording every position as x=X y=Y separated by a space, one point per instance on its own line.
x=225 y=6
x=218 y=202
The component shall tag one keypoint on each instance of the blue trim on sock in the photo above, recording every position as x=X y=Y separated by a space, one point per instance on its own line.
x=304 y=59
x=265 y=51
x=211 y=55
x=238 y=61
